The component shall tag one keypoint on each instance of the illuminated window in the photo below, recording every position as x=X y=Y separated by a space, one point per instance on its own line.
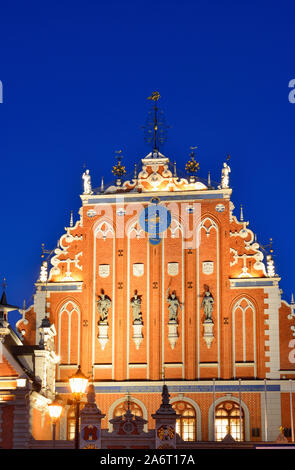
x=227 y=420
x=71 y=421
x=121 y=409
x=186 y=424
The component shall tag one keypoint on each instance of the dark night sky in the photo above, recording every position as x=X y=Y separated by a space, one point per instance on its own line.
x=75 y=78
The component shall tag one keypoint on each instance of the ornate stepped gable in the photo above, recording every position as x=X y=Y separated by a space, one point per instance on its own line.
x=159 y=279
x=245 y=256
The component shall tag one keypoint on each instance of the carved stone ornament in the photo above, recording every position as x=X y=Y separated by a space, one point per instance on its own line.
x=135 y=303
x=220 y=208
x=103 y=305
x=173 y=269
x=208 y=267
x=172 y=333
x=91 y=213
x=104 y=270
x=207 y=305
x=103 y=334
x=208 y=333
x=138 y=269
x=137 y=334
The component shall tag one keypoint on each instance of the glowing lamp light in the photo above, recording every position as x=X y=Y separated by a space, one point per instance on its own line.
x=55 y=410
x=78 y=383
x=21 y=382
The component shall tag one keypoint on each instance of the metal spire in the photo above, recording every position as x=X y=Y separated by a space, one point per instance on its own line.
x=155 y=128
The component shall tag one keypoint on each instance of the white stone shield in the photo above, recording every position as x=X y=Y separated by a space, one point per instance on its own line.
x=172 y=269
x=138 y=269
x=104 y=270
x=208 y=267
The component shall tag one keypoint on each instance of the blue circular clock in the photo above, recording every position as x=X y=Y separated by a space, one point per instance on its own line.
x=154 y=220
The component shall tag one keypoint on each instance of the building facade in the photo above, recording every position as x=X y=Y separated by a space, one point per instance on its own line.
x=159 y=279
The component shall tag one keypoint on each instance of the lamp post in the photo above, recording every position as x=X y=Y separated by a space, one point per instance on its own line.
x=55 y=410
x=78 y=384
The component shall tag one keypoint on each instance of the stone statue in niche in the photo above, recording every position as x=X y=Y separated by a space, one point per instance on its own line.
x=103 y=305
x=136 y=308
x=173 y=304
x=207 y=305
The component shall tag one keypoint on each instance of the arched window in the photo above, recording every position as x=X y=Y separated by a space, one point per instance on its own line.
x=186 y=424
x=69 y=333
x=244 y=337
x=227 y=420
x=121 y=409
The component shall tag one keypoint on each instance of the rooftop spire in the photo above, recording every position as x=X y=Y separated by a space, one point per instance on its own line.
x=3 y=300
x=242 y=214
x=155 y=128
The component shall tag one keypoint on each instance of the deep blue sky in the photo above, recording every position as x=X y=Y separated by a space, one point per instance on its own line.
x=76 y=76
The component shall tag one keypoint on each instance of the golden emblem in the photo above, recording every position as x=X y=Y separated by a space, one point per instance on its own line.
x=154 y=96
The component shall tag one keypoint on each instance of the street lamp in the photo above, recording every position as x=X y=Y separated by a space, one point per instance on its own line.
x=55 y=410
x=78 y=384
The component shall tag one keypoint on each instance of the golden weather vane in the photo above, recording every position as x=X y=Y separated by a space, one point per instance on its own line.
x=155 y=128
x=154 y=96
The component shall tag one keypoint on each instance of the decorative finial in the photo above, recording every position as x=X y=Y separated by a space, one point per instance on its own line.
x=43 y=272
x=135 y=171
x=102 y=185
x=209 y=180
x=242 y=215
x=270 y=246
x=174 y=169
x=71 y=219
x=128 y=401
x=192 y=166
x=292 y=299
x=270 y=262
x=4 y=284
x=165 y=395
x=119 y=169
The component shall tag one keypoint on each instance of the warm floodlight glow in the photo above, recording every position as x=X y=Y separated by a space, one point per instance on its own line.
x=78 y=382
x=55 y=410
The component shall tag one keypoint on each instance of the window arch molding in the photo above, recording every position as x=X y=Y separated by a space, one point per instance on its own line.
x=122 y=400
x=252 y=306
x=109 y=227
x=63 y=309
x=197 y=412
x=234 y=400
